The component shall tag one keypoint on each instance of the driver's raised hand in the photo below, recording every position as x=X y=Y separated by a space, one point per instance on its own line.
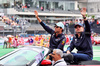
x=36 y=15
x=83 y=12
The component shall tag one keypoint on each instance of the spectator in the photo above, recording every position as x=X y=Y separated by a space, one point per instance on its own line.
x=37 y=5
x=5 y=42
x=40 y=43
x=98 y=23
x=15 y=43
x=23 y=8
x=67 y=40
x=31 y=41
x=21 y=40
x=12 y=18
x=28 y=5
x=10 y=41
x=41 y=8
x=12 y=5
x=17 y=21
x=57 y=59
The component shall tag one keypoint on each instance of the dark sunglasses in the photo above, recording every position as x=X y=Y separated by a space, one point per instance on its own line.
x=57 y=26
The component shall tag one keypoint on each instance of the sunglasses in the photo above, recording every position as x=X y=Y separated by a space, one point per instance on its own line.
x=57 y=26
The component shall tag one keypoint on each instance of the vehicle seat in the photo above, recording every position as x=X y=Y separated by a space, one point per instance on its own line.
x=68 y=58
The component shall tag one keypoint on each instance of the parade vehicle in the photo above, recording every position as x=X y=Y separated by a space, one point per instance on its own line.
x=70 y=62
x=35 y=56
x=25 y=56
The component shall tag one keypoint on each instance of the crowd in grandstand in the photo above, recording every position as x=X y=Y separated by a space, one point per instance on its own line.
x=12 y=22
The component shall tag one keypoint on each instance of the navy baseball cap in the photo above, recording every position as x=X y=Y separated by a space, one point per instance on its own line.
x=79 y=24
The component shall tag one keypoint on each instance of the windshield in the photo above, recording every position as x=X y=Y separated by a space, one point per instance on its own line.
x=20 y=58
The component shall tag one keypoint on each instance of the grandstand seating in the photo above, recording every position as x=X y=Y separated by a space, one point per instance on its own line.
x=47 y=11
x=37 y=27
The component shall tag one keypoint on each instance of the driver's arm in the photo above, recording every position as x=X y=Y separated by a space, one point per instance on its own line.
x=70 y=48
x=47 y=28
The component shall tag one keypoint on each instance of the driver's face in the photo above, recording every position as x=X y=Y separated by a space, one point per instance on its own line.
x=57 y=29
x=79 y=29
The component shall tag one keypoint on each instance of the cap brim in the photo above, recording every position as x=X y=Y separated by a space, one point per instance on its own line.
x=77 y=25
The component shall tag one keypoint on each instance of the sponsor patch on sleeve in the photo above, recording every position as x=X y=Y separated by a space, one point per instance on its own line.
x=63 y=42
